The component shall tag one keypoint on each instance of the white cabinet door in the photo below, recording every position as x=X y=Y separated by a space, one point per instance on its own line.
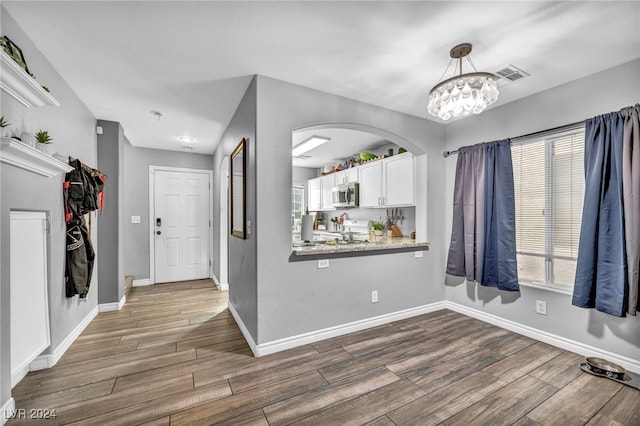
x=328 y=182
x=29 y=301
x=399 y=180
x=314 y=195
x=351 y=175
x=340 y=177
x=371 y=184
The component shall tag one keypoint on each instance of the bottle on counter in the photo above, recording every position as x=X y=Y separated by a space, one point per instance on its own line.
x=372 y=236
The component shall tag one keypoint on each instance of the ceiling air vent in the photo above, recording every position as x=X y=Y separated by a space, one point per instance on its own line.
x=510 y=73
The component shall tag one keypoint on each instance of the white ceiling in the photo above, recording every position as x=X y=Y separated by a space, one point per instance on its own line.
x=192 y=60
x=343 y=144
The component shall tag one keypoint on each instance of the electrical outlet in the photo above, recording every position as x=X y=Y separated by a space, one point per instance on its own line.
x=323 y=263
x=374 y=296
x=135 y=219
x=541 y=307
x=418 y=254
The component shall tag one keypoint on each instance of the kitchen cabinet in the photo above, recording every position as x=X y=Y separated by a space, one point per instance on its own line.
x=346 y=176
x=389 y=182
x=328 y=182
x=319 y=193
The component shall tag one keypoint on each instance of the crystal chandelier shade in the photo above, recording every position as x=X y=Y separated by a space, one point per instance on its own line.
x=462 y=94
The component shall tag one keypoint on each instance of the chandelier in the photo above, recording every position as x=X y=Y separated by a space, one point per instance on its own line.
x=462 y=94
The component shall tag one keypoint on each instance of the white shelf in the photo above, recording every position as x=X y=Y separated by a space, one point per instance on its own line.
x=23 y=156
x=17 y=83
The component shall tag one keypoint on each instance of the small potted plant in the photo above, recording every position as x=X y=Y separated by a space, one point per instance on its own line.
x=3 y=124
x=43 y=141
x=377 y=227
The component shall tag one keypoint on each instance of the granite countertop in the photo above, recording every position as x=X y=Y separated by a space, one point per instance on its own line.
x=382 y=243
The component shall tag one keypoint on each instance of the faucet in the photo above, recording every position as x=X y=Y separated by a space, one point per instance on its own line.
x=348 y=235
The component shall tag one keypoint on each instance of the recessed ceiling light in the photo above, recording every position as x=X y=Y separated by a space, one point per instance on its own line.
x=308 y=145
x=186 y=139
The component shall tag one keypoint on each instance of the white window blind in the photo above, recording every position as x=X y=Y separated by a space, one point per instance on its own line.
x=549 y=190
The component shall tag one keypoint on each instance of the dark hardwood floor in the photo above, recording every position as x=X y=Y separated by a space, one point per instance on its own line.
x=174 y=355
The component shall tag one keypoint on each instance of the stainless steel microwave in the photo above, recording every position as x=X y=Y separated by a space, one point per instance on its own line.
x=346 y=195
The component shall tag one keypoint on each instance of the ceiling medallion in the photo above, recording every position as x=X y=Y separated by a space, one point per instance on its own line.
x=462 y=94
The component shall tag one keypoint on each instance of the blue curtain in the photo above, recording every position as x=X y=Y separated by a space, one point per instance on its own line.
x=609 y=250
x=601 y=271
x=483 y=239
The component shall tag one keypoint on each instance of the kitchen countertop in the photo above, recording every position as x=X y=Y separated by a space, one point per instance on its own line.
x=397 y=243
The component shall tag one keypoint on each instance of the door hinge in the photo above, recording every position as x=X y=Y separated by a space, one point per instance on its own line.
x=209 y=224
x=209 y=262
x=47 y=225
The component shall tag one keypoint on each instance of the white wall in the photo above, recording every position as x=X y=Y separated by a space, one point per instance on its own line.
x=72 y=127
x=136 y=199
x=598 y=94
x=242 y=252
x=294 y=297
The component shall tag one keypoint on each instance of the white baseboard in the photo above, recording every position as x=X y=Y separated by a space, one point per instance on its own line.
x=49 y=360
x=221 y=286
x=141 y=283
x=326 y=333
x=7 y=411
x=114 y=306
x=243 y=329
x=549 y=338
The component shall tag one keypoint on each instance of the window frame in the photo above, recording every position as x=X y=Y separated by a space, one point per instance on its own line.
x=549 y=138
x=301 y=188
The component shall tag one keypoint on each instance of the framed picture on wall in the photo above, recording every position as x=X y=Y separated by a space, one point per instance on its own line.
x=238 y=190
x=12 y=49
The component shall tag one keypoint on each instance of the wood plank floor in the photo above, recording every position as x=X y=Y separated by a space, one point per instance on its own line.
x=174 y=355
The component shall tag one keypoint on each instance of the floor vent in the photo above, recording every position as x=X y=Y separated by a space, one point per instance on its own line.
x=510 y=73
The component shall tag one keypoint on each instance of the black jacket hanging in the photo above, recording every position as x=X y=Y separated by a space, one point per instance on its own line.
x=81 y=188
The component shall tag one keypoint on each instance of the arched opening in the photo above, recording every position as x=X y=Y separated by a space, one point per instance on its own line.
x=336 y=160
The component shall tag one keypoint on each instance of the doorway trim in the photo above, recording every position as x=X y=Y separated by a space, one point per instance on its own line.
x=223 y=282
x=152 y=249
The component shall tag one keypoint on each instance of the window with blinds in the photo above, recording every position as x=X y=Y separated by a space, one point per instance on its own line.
x=549 y=190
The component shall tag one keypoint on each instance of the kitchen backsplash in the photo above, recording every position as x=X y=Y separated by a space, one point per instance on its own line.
x=407 y=225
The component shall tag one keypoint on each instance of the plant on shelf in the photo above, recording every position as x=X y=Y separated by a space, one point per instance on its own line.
x=43 y=137
x=3 y=123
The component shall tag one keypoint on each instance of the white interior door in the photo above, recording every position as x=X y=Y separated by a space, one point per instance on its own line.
x=181 y=225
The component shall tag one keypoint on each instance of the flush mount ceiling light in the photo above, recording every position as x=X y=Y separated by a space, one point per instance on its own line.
x=462 y=94
x=186 y=139
x=308 y=145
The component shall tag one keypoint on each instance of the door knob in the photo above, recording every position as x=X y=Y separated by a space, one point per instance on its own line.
x=158 y=232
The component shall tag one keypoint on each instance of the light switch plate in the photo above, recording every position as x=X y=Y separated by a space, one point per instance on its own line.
x=418 y=254
x=135 y=219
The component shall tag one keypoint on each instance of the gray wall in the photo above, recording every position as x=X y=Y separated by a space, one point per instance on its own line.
x=136 y=200
x=242 y=253
x=598 y=94
x=111 y=250
x=296 y=297
x=73 y=129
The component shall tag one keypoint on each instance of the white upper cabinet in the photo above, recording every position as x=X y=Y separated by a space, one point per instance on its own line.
x=319 y=193
x=314 y=195
x=389 y=182
x=399 y=180
x=371 y=184
x=328 y=182
x=346 y=176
